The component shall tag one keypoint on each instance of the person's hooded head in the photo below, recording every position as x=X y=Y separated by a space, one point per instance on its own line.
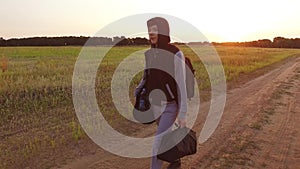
x=159 y=32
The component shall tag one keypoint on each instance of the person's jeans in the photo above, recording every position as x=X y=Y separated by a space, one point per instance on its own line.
x=168 y=116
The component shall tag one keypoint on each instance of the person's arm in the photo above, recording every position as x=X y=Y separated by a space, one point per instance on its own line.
x=181 y=84
x=139 y=88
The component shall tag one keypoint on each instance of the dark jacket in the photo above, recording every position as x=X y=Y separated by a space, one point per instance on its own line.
x=160 y=73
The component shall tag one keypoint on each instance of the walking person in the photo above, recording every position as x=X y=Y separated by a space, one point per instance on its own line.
x=170 y=80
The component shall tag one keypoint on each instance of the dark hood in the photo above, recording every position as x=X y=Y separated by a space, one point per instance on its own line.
x=163 y=31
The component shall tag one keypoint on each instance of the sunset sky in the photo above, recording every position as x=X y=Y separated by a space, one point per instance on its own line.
x=230 y=20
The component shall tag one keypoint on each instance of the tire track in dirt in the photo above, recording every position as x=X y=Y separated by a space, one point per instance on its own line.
x=286 y=132
x=294 y=155
x=276 y=151
x=282 y=133
x=241 y=111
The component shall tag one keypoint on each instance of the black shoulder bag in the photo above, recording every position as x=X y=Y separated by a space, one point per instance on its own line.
x=186 y=146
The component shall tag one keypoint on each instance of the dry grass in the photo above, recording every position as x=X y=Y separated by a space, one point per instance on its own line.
x=4 y=64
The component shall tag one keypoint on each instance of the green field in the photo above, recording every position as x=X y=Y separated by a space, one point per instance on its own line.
x=38 y=122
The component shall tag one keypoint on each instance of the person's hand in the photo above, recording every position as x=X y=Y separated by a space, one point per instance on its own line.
x=181 y=122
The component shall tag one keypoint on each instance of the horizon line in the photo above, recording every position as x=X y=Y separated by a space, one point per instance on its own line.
x=119 y=36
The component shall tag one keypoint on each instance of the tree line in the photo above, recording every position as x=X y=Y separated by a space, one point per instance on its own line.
x=73 y=41
x=278 y=42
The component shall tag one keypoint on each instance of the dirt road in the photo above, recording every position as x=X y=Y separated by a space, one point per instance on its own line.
x=259 y=129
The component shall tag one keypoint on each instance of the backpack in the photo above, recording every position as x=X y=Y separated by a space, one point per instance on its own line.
x=190 y=78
